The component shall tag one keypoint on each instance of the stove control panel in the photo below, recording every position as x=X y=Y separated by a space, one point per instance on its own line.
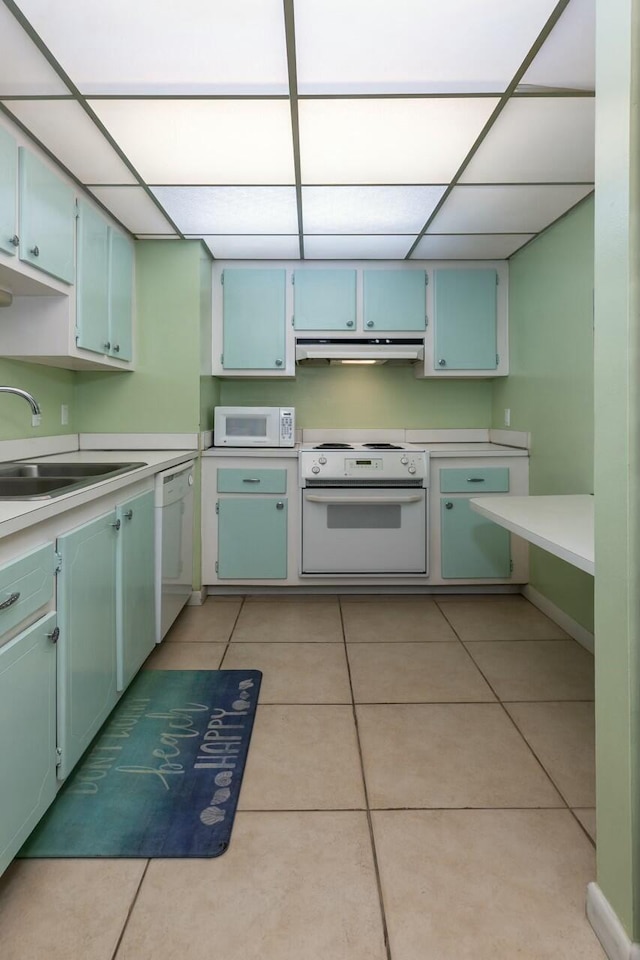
x=334 y=465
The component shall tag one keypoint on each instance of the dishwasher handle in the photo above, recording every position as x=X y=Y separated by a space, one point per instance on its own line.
x=314 y=498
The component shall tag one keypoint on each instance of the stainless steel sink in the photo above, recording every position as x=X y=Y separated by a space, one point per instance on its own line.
x=40 y=481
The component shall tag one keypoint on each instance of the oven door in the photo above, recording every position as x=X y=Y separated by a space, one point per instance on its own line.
x=360 y=530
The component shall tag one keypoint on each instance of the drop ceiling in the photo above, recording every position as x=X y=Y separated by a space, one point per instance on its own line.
x=316 y=129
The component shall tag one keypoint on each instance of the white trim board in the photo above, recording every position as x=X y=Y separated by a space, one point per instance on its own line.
x=557 y=614
x=607 y=927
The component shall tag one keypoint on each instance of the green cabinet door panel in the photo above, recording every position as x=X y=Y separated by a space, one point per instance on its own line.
x=477 y=480
x=47 y=218
x=120 y=294
x=394 y=300
x=252 y=481
x=135 y=586
x=324 y=299
x=92 y=286
x=26 y=584
x=8 y=192
x=28 y=746
x=472 y=547
x=87 y=646
x=465 y=319
x=252 y=538
x=254 y=319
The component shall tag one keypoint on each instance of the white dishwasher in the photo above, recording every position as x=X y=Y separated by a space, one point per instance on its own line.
x=174 y=544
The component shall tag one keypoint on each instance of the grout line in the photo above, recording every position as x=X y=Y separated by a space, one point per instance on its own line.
x=130 y=911
x=235 y=624
x=374 y=853
x=572 y=810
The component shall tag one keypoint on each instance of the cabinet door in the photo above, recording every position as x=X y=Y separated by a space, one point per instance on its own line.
x=324 y=299
x=120 y=295
x=252 y=538
x=28 y=747
x=254 y=320
x=47 y=218
x=472 y=547
x=465 y=318
x=92 y=292
x=394 y=300
x=136 y=628
x=87 y=645
x=8 y=192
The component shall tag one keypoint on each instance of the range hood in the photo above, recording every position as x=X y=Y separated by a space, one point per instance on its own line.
x=322 y=351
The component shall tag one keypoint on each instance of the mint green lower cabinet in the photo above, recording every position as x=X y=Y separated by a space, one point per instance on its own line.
x=252 y=538
x=135 y=586
x=394 y=300
x=8 y=192
x=254 y=321
x=47 y=220
x=465 y=319
x=472 y=547
x=86 y=595
x=28 y=721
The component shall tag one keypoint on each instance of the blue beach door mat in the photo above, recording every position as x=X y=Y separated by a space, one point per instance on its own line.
x=163 y=776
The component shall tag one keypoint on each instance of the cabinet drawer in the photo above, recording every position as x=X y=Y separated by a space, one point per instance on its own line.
x=26 y=584
x=478 y=480
x=252 y=481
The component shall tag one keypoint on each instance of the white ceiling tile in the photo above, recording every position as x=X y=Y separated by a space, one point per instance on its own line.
x=65 y=129
x=538 y=140
x=134 y=208
x=231 y=209
x=203 y=141
x=254 y=248
x=368 y=209
x=156 y=46
x=388 y=141
x=488 y=246
x=568 y=57
x=357 y=247
x=23 y=69
x=505 y=209
x=410 y=46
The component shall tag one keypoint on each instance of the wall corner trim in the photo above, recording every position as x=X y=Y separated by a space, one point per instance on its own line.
x=608 y=928
x=557 y=614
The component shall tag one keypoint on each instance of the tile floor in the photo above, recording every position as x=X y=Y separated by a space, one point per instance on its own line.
x=420 y=786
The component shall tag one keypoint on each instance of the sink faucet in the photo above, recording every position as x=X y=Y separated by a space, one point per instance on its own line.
x=33 y=403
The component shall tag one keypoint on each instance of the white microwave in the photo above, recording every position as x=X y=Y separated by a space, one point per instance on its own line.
x=254 y=426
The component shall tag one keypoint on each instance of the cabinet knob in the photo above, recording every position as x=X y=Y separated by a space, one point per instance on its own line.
x=107 y=345
x=53 y=636
x=128 y=514
x=279 y=505
x=448 y=505
x=15 y=240
x=442 y=363
x=35 y=251
x=279 y=363
x=370 y=323
x=116 y=525
x=349 y=323
x=116 y=348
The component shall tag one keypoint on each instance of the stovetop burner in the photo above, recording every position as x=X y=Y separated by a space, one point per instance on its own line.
x=333 y=446
x=382 y=446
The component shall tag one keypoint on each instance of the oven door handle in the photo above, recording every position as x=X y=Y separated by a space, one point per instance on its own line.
x=313 y=498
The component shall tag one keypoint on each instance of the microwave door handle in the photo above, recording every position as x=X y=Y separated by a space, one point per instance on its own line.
x=314 y=498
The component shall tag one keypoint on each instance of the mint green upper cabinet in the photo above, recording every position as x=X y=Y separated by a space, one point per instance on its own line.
x=8 y=192
x=252 y=538
x=254 y=320
x=47 y=218
x=472 y=547
x=136 y=586
x=120 y=294
x=28 y=747
x=394 y=300
x=324 y=299
x=92 y=288
x=465 y=319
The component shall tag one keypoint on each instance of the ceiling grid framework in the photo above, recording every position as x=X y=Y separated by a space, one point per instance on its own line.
x=317 y=129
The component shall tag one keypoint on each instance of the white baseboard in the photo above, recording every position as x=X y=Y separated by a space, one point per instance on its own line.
x=607 y=927
x=197 y=597
x=555 y=613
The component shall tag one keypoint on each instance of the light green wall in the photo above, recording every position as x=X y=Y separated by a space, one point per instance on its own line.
x=163 y=395
x=50 y=387
x=368 y=397
x=550 y=385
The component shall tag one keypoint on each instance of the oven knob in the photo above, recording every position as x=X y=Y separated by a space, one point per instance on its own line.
x=315 y=469
x=404 y=460
x=412 y=468
x=322 y=460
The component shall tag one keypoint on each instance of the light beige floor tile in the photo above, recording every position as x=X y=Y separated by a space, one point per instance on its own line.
x=449 y=755
x=212 y=622
x=291 y=597
x=414 y=673
x=536 y=669
x=562 y=735
x=303 y=758
x=186 y=656
x=385 y=597
x=289 y=622
x=510 y=618
x=588 y=820
x=395 y=620
x=295 y=672
x=292 y=886
x=486 y=885
x=64 y=909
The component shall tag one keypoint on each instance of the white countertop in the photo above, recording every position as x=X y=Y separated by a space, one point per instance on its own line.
x=443 y=450
x=563 y=525
x=16 y=515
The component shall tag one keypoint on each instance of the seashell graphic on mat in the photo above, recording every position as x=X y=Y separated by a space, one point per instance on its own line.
x=241 y=705
x=245 y=684
x=223 y=779
x=221 y=796
x=212 y=815
x=245 y=695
